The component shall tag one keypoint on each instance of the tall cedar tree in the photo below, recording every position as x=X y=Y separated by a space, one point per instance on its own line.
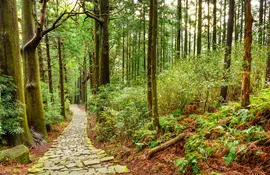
x=61 y=78
x=10 y=62
x=199 y=38
x=104 y=68
x=214 y=25
x=34 y=102
x=245 y=96
x=227 y=58
x=179 y=28
x=267 y=77
x=152 y=57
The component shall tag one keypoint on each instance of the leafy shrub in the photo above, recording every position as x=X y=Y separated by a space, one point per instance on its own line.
x=122 y=110
x=52 y=108
x=10 y=110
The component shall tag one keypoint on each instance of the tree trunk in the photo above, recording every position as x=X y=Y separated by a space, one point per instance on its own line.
x=195 y=27
x=49 y=64
x=10 y=62
x=224 y=22
x=215 y=25
x=41 y=67
x=267 y=77
x=199 y=38
x=260 y=23
x=179 y=26
x=61 y=79
x=97 y=50
x=227 y=58
x=104 y=68
x=34 y=102
x=186 y=31
x=242 y=20
x=208 y=25
x=84 y=82
x=165 y=145
x=245 y=99
x=154 y=66
x=149 y=62
x=123 y=55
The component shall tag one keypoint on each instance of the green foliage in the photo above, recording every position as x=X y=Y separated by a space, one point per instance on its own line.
x=123 y=111
x=181 y=164
x=170 y=124
x=52 y=108
x=10 y=109
x=232 y=154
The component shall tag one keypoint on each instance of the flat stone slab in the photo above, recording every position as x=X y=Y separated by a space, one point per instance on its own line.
x=73 y=153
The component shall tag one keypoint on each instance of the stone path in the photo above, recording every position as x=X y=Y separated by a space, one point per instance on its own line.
x=72 y=153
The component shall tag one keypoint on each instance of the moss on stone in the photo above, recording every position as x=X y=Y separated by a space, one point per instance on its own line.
x=19 y=154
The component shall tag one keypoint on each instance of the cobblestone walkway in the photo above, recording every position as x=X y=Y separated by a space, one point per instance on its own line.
x=72 y=153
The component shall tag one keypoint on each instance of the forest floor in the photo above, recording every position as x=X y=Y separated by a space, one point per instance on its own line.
x=13 y=168
x=255 y=161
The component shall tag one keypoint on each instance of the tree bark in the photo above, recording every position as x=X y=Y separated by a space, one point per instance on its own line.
x=49 y=65
x=149 y=62
x=104 y=68
x=165 y=145
x=154 y=66
x=245 y=96
x=41 y=66
x=34 y=102
x=10 y=62
x=186 y=31
x=227 y=58
x=224 y=22
x=260 y=23
x=199 y=38
x=267 y=77
x=179 y=26
x=97 y=50
x=215 y=25
x=61 y=79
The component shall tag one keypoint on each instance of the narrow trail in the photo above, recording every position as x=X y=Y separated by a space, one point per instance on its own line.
x=72 y=153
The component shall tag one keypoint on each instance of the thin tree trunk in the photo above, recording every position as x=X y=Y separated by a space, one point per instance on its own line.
x=224 y=22
x=186 y=32
x=227 y=58
x=179 y=26
x=261 y=23
x=97 y=51
x=245 y=96
x=49 y=65
x=123 y=55
x=199 y=39
x=154 y=65
x=104 y=69
x=195 y=27
x=267 y=77
x=215 y=25
x=61 y=79
x=208 y=26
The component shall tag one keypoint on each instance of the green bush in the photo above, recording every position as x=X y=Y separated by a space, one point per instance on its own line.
x=122 y=110
x=10 y=110
x=52 y=108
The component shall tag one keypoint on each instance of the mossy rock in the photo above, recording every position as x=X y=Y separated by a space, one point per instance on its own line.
x=18 y=153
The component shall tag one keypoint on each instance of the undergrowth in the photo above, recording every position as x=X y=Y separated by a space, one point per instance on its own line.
x=10 y=110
